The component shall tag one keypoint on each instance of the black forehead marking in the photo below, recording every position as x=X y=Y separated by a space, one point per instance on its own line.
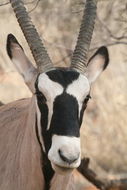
x=65 y=119
x=63 y=76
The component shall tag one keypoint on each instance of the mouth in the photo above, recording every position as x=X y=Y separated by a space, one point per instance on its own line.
x=61 y=170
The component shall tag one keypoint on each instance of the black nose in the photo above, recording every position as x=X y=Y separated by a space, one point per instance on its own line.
x=69 y=160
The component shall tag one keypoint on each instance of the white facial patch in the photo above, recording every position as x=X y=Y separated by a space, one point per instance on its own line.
x=39 y=127
x=51 y=90
x=69 y=146
x=79 y=89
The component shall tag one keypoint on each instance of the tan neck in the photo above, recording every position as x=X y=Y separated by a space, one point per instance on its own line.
x=60 y=182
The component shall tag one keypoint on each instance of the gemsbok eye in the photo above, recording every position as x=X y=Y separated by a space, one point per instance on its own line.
x=87 y=99
x=41 y=98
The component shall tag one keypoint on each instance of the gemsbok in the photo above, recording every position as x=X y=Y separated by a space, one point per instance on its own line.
x=40 y=136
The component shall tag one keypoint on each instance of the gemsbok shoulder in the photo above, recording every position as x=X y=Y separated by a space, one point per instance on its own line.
x=40 y=136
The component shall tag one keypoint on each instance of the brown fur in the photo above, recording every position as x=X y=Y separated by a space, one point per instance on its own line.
x=20 y=165
x=60 y=182
x=20 y=156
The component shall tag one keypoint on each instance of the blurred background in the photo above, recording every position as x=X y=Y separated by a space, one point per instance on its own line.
x=104 y=129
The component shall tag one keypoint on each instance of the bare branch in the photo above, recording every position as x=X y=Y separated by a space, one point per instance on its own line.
x=2 y=4
x=30 y=2
x=37 y=2
x=69 y=52
x=89 y=174
x=109 y=31
x=110 y=44
x=102 y=184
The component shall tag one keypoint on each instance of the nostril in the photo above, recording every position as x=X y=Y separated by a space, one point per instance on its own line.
x=65 y=159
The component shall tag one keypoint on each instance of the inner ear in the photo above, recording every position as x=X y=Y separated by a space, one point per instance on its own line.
x=97 y=63
x=21 y=62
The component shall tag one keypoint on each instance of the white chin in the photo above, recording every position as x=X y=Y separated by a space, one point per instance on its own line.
x=61 y=170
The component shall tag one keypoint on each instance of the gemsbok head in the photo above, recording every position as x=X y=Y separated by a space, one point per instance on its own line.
x=60 y=94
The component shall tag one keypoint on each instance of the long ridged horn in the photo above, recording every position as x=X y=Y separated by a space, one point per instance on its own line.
x=38 y=50
x=79 y=58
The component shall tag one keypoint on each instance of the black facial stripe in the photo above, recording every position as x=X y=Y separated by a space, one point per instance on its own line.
x=65 y=116
x=48 y=171
x=36 y=84
x=44 y=118
x=84 y=106
x=82 y=113
x=37 y=134
x=44 y=122
x=63 y=76
x=46 y=166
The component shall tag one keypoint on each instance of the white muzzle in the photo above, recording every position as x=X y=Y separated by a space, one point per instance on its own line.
x=65 y=153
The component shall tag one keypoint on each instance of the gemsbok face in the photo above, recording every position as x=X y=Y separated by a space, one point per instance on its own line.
x=61 y=96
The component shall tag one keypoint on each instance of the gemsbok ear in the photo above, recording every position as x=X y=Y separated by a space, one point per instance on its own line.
x=21 y=62
x=97 y=63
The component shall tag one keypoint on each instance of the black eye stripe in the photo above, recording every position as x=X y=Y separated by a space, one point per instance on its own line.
x=40 y=96
x=87 y=99
x=84 y=106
